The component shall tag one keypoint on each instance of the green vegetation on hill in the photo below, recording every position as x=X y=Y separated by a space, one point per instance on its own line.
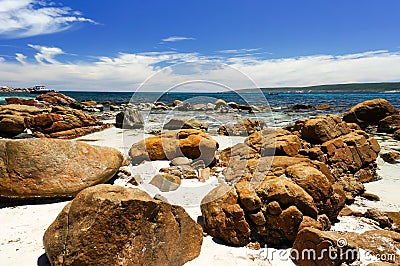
x=351 y=87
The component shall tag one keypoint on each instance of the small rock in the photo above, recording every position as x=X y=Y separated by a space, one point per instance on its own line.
x=390 y=157
x=180 y=161
x=370 y=196
x=166 y=182
x=323 y=107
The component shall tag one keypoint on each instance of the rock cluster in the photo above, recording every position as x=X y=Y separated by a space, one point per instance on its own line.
x=53 y=122
x=50 y=168
x=111 y=225
x=286 y=180
x=191 y=143
x=242 y=128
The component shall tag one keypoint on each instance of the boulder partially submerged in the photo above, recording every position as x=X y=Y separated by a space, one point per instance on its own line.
x=111 y=225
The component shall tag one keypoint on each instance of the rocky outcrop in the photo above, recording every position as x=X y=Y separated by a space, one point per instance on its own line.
x=370 y=112
x=61 y=122
x=111 y=225
x=190 y=143
x=12 y=118
x=307 y=172
x=320 y=129
x=130 y=118
x=49 y=168
x=55 y=122
x=242 y=128
x=55 y=98
x=178 y=123
x=23 y=101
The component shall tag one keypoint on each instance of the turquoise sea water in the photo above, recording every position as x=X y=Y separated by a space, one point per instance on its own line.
x=339 y=101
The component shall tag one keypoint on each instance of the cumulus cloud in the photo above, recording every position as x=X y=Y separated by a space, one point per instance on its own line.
x=177 y=39
x=24 y=18
x=127 y=71
x=46 y=54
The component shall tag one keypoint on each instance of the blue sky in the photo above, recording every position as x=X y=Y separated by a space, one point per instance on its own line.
x=95 y=45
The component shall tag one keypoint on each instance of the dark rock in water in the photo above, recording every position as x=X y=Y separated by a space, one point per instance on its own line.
x=241 y=107
x=184 y=106
x=185 y=123
x=55 y=98
x=370 y=112
x=112 y=225
x=242 y=128
x=88 y=106
x=389 y=124
x=302 y=107
x=130 y=118
x=323 y=107
x=390 y=157
x=50 y=168
x=190 y=143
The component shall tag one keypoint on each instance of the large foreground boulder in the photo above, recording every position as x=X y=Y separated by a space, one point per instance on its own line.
x=369 y=112
x=190 y=143
x=111 y=225
x=49 y=168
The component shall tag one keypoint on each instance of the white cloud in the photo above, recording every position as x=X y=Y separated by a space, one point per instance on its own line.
x=20 y=58
x=177 y=39
x=239 y=51
x=126 y=71
x=46 y=53
x=24 y=18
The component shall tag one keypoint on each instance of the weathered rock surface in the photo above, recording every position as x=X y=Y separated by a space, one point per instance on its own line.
x=111 y=225
x=178 y=123
x=242 y=128
x=224 y=218
x=390 y=157
x=166 y=182
x=23 y=101
x=12 y=118
x=50 y=168
x=389 y=124
x=320 y=129
x=59 y=122
x=370 y=112
x=190 y=143
x=130 y=118
x=55 y=98
x=379 y=216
